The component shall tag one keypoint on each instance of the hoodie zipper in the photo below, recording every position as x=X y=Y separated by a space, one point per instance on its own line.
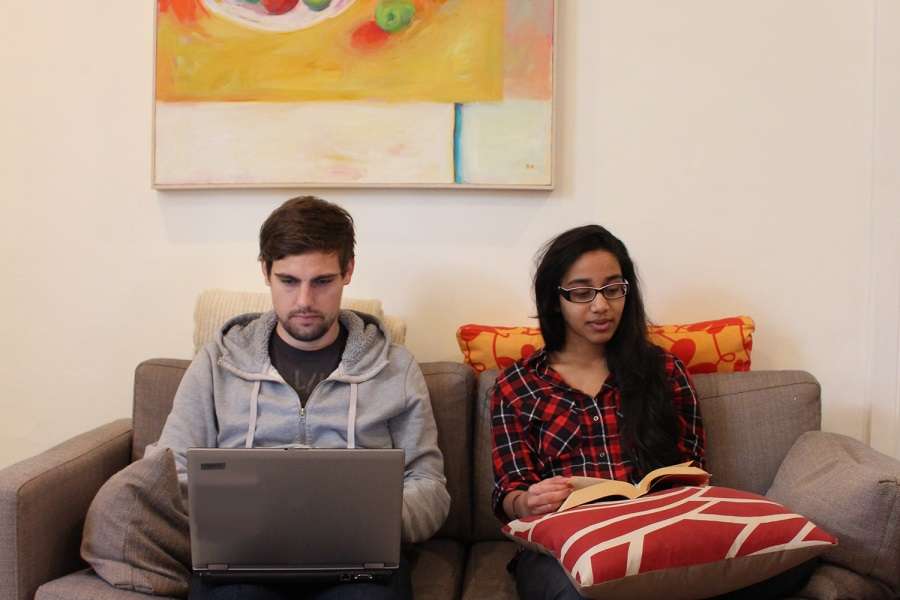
x=301 y=426
x=301 y=410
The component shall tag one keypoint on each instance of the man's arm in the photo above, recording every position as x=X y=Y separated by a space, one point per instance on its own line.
x=425 y=498
x=192 y=422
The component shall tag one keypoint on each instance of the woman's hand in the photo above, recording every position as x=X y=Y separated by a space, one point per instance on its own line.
x=542 y=497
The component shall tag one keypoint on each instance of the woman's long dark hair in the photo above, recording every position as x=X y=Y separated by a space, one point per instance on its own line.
x=649 y=426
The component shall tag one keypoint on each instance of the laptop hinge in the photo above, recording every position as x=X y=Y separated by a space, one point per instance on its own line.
x=373 y=565
x=217 y=567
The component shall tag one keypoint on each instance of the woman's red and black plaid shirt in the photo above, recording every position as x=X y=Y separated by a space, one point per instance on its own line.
x=541 y=427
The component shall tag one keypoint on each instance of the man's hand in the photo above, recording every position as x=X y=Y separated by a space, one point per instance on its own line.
x=542 y=497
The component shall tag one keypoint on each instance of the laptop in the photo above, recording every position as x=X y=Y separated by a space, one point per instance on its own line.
x=260 y=514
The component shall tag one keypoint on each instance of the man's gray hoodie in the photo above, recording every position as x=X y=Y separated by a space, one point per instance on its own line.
x=231 y=396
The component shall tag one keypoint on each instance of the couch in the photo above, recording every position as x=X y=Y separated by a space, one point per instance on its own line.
x=752 y=420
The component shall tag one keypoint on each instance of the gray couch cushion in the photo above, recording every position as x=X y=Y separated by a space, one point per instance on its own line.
x=752 y=420
x=155 y=382
x=437 y=568
x=486 y=574
x=485 y=525
x=854 y=493
x=136 y=529
x=437 y=574
x=831 y=582
x=85 y=585
x=450 y=386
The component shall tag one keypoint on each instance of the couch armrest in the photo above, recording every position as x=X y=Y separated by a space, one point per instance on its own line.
x=43 y=502
x=853 y=492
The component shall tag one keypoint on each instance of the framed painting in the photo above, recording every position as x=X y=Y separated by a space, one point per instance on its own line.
x=354 y=93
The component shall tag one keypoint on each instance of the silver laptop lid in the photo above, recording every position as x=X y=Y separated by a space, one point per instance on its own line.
x=295 y=509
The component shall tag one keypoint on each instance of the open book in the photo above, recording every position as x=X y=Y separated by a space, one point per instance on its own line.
x=588 y=489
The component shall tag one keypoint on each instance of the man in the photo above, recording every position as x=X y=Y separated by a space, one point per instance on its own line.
x=312 y=374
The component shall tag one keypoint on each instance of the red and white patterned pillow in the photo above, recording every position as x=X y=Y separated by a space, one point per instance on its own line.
x=687 y=542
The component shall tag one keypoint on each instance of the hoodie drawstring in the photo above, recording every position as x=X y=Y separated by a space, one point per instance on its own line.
x=254 y=409
x=351 y=417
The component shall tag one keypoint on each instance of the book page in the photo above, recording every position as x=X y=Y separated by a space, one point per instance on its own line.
x=606 y=488
x=683 y=473
x=580 y=481
x=589 y=489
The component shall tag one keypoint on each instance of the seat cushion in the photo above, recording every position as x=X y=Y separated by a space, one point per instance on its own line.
x=486 y=575
x=85 y=585
x=437 y=574
x=436 y=568
x=831 y=582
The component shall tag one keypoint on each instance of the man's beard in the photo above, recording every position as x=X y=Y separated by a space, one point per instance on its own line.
x=307 y=334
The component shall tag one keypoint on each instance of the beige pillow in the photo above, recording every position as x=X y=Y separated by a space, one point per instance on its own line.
x=136 y=534
x=853 y=492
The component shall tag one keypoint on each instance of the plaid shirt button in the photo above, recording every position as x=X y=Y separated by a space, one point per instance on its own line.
x=596 y=418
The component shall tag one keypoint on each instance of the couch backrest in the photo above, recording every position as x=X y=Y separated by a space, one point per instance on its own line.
x=452 y=389
x=155 y=383
x=751 y=420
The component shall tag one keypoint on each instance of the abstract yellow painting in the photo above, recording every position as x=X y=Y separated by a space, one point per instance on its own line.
x=293 y=93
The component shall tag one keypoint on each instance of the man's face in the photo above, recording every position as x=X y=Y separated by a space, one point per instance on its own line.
x=306 y=294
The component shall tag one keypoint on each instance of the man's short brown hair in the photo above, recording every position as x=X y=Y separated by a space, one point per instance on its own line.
x=307 y=224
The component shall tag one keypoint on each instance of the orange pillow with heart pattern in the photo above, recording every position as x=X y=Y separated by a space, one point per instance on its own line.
x=719 y=346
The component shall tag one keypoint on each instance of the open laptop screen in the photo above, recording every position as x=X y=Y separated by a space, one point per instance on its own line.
x=298 y=512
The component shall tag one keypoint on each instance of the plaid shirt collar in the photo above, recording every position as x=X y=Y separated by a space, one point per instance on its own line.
x=539 y=365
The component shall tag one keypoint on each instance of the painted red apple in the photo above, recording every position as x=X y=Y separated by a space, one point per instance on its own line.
x=278 y=7
x=369 y=35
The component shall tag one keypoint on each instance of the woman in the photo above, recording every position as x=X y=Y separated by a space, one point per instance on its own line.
x=598 y=400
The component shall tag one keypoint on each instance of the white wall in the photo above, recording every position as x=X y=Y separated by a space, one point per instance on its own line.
x=730 y=144
x=884 y=307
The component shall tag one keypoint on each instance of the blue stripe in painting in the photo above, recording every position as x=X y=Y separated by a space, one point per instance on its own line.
x=457 y=151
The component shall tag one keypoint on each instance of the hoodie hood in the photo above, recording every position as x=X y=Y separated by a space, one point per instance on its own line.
x=244 y=346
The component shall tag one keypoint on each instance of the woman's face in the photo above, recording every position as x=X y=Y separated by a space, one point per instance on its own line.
x=592 y=322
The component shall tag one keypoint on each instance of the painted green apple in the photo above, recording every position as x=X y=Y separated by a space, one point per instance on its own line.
x=394 y=15
x=317 y=5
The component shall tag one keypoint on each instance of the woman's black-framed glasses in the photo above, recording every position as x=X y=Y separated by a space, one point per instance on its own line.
x=584 y=294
